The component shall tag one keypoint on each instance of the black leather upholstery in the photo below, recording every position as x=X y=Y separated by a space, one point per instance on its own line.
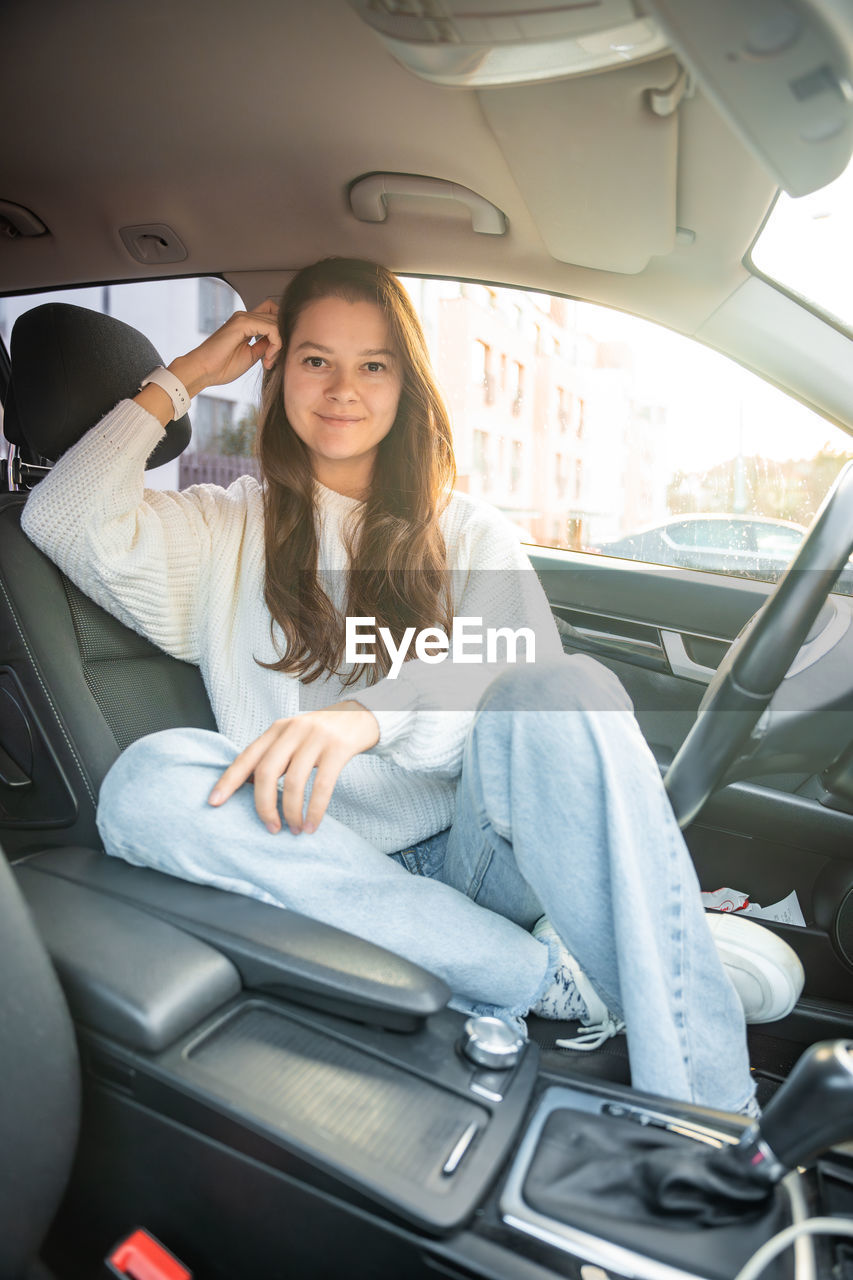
x=76 y=686
x=303 y=960
x=40 y=1093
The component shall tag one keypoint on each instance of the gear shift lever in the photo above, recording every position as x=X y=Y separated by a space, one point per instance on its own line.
x=810 y=1112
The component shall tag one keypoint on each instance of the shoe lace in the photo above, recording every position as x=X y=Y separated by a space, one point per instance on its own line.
x=594 y=1035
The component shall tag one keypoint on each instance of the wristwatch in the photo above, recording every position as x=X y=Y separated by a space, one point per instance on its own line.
x=174 y=388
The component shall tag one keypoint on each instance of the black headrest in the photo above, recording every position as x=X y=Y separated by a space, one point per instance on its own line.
x=70 y=366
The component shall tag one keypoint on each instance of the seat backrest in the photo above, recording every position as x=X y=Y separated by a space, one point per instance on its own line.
x=40 y=1094
x=76 y=686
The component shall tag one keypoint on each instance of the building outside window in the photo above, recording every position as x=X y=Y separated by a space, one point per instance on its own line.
x=561 y=475
x=564 y=410
x=516 y=389
x=482 y=357
x=211 y=417
x=216 y=302
x=516 y=467
x=482 y=468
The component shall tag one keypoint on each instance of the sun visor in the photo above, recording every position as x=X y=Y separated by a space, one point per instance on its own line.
x=596 y=160
x=781 y=72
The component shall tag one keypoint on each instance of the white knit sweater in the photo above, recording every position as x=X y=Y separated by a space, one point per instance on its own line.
x=187 y=571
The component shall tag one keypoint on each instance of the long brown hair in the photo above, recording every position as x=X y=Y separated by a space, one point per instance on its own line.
x=397 y=554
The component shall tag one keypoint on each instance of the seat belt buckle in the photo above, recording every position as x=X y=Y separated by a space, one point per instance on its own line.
x=140 y=1257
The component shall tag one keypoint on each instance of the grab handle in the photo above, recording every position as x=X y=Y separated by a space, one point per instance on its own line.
x=368 y=199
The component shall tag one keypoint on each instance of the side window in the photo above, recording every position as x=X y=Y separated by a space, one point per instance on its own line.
x=599 y=432
x=177 y=315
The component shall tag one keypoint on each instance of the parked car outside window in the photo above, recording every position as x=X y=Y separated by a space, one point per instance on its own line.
x=720 y=543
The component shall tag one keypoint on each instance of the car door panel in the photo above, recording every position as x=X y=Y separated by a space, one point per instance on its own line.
x=628 y=615
x=702 y=603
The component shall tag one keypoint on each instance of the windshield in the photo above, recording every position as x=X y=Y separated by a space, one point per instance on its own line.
x=807 y=247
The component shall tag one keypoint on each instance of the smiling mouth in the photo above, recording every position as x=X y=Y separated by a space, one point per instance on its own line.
x=341 y=422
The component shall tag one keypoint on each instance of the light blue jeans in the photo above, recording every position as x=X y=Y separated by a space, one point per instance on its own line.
x=560 y=810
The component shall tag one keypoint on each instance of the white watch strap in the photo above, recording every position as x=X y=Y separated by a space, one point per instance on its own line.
x=174 y=388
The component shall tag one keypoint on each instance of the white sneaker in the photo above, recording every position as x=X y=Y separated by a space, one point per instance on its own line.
x=766 y=972
x=572 y=997
x=599 y=1024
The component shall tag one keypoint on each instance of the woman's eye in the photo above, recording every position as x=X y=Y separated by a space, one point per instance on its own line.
x=374 y=366
x=314 y=362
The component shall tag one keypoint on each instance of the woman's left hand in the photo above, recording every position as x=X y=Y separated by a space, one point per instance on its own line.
x=322 y=740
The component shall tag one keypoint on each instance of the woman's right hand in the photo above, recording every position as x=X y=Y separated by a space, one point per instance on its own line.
x=229 y=352
x=225 y=355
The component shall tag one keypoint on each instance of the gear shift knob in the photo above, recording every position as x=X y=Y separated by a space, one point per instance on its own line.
x=812 y=1111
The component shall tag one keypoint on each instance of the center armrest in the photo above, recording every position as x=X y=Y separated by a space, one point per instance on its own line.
x=275 y=951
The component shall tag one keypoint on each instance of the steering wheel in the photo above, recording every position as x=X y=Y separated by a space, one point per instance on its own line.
x=761 y=655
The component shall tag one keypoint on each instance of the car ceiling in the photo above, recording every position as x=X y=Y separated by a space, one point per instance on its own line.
x=242 y=126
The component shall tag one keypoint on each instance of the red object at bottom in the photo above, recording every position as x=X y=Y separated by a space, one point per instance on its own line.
x=141 y=1257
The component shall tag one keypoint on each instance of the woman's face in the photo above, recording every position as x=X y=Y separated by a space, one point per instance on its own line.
x=342 y=383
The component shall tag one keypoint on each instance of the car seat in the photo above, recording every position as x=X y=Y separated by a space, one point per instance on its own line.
x=76 y=686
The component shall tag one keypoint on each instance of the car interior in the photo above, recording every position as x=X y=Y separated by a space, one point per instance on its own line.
x=266 y=1095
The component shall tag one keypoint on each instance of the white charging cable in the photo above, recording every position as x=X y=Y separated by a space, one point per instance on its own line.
x=778 y=1243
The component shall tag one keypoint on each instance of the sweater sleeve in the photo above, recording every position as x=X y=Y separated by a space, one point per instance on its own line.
x=143 y=555
x=425 y=712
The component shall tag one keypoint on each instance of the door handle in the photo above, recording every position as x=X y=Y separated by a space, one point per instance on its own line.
x=680 y=662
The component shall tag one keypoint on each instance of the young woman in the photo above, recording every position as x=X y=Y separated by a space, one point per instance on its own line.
x=445 y=807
